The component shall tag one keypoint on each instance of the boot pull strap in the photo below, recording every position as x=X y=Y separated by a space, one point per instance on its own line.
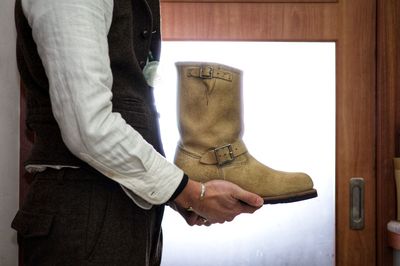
x=209 y=72
x=224 y=154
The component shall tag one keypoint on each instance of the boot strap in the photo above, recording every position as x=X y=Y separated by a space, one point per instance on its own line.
x=224 y=154
x=209 y=72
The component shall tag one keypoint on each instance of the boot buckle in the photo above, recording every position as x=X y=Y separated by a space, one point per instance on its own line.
x=206 y=72
x=224 y=154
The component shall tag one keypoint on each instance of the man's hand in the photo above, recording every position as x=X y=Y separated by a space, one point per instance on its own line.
x=191 y=217
x=222 y=202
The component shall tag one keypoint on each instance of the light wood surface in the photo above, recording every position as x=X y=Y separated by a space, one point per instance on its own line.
x=355 y=153
x=388 y=119
x=250 y=21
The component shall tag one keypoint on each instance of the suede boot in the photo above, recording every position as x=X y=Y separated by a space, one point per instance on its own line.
x=211 y=129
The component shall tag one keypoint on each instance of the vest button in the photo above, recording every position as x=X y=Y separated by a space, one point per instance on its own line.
x=145 y=34
x=142 y=63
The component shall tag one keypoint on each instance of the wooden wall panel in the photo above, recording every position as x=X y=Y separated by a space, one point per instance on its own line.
x=388 y=119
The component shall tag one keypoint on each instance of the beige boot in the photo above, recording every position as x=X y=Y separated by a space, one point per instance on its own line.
x=211 y=129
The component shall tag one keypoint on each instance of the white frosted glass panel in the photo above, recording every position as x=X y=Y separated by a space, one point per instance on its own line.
x=289 y=120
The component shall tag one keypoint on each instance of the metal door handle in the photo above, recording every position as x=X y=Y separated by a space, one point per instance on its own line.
x=357 y=203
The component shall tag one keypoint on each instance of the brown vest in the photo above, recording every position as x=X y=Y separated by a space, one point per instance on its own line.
x=134 y=32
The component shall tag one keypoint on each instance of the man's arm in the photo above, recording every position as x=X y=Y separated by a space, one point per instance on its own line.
x=71 y=37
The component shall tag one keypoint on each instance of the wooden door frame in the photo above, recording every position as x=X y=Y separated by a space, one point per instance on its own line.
x=352 y=25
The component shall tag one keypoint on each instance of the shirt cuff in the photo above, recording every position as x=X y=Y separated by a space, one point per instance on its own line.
x=180 y=188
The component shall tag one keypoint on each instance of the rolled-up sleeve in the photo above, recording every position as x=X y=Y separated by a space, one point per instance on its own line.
x=71 y=37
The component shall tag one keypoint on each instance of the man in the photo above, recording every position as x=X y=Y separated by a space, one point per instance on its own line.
x=101 y=181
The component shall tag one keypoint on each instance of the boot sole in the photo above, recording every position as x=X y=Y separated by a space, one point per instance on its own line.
x=309 y=194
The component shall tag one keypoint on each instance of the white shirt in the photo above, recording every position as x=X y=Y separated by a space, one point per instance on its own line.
x=71 y=37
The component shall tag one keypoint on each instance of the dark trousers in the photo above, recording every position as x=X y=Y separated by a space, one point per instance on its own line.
x=79 y=217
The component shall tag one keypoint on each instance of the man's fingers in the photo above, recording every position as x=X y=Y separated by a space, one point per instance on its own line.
x=249 y=198
x=192 y=218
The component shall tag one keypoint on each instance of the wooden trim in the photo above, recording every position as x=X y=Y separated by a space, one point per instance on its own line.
x=261 y=22
x=388 y=119
x=355 y=116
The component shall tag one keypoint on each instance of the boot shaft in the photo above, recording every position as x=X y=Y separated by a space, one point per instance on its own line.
x=209 y=105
